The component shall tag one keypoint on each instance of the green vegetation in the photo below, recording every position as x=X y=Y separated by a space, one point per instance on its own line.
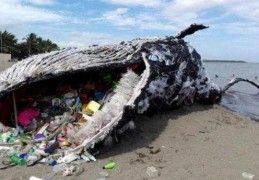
x=32 y=44
x=222 y=61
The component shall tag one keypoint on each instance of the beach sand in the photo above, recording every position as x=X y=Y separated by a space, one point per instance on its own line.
x=197 y=142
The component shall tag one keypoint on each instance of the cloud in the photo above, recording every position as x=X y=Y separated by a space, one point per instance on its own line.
x=122 y=18
x=41 y=2
x=15 y=13
x=145 y=3
x=193 y=9
x=250 y=29
x=177 y=14
x=247 y=9
x=83 y=39
x=119 y=17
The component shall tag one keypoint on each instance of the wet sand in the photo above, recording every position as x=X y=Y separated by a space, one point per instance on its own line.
x=197 y=142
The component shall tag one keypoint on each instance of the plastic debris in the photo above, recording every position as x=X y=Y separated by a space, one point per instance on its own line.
x=70 y=157
x=91 y=157
x=152 y=172
x=49 y=121
x=248 y=175
x=52 y=148
x=35 y=178
x=92 y=107
x=17 y=160
x=73 y=170
x=69 y=171
x=110 y=165
x=25 y=117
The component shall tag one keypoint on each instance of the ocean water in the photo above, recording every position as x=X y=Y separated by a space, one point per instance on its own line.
x=241 y=97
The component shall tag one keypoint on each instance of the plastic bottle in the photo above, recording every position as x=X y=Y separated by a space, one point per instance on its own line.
x=109 y=165
x=17 y=160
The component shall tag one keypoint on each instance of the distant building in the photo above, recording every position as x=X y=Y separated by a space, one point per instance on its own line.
x=5 y=57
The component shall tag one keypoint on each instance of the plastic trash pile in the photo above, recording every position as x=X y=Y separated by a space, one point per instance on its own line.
x=46 y=123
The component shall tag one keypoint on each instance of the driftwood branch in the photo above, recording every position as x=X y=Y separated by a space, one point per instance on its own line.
x=190 y=30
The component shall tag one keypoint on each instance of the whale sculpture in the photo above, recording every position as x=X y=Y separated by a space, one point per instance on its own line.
x=170 y=74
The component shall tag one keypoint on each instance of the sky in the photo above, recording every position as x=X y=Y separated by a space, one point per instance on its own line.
x=233 y=32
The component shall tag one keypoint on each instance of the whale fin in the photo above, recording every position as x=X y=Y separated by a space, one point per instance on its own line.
x=190 y=30
x=236 y=80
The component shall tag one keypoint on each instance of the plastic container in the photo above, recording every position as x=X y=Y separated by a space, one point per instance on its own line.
x=17 y=160
x=92 y=107
x=110 y=165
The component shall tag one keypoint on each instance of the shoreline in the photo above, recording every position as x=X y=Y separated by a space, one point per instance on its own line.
x=197 y=142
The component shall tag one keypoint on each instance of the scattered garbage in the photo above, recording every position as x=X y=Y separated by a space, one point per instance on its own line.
x=248 y=175
x=49 y=118
x=152 y=172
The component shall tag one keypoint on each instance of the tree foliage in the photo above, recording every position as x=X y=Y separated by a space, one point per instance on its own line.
x=32 y=44
x=9 y=42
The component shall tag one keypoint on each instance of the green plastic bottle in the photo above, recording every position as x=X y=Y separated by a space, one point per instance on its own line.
x=109 y=165
x=17 y=160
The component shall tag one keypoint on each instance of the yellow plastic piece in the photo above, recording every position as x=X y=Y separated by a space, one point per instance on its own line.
x=92 y=107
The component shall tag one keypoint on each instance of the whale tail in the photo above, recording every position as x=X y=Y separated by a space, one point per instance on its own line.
x=236 y=80
x=190 y=30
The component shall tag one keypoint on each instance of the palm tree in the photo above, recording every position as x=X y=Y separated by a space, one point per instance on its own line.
x=31 y=40
x=37 y=45
x=49 y=46
x=8 y=43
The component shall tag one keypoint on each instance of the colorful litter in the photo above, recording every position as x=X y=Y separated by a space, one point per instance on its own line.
x=49 y=118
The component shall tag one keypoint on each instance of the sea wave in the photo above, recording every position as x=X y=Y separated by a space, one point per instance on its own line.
x=244 y=103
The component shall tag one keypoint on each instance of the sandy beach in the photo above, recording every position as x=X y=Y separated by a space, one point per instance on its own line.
x=197 y=142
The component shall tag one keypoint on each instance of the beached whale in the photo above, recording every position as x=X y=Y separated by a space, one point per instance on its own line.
x=155 y=74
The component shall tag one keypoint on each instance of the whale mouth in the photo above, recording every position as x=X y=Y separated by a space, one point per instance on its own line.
x=125 y=84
